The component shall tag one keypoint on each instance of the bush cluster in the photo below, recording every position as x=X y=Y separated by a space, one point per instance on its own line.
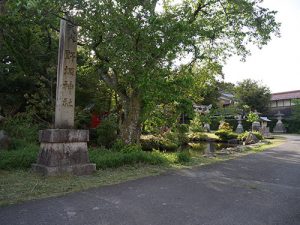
x=244 y=135
x=225 y=132
x=110 y=159
x=225 y=126
x=184 y=156
x=196 y=124
x=197 y=136
x=19 y=159
x=159 y=143
x=21 y=127
x=226 y=135
x=106 y=133
x=169 y=141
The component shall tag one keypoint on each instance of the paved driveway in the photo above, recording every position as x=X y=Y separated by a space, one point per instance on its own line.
x=258 y=189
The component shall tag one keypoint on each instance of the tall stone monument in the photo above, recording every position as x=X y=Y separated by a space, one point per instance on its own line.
x=64 y=149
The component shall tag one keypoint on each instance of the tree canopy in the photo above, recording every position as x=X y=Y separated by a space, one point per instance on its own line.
x=144 y=50
x=253 y=94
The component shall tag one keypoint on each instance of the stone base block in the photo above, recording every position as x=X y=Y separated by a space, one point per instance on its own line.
x=63 y=151
x=279 y=128
x=79 y=169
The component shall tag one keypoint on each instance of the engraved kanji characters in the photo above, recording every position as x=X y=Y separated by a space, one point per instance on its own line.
x=67 y=102
x=70 y=55
x=69 y=71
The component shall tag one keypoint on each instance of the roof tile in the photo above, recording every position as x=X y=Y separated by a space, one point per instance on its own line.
x=286 y=95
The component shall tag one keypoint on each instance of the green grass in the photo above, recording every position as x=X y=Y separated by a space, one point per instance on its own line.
x=109 y=159
x=21 y=158
x=22 y=185
x=270 y=144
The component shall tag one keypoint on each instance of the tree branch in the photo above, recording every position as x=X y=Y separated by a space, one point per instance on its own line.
x=199 y=9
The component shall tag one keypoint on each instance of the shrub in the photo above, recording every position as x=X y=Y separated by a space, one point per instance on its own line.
x=150 y=143
x=225 y=126
x=252 y=117
x=19 y=159
x=21 y=126
x=109 y=159
x=82 y=118
x=181 y=132
x=107 y=132
x=131 y=148
x=183 y=156
x=292 y=125
x=226 y=135
x=197 y=136
x=196 y=124
x=169 y=141
x=244 y=135
x=198 y=147
x=258 y=135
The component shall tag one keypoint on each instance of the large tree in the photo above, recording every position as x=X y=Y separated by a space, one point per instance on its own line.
x=28 y=50
x=136 y=44
x=28 y=59
x=253 y=94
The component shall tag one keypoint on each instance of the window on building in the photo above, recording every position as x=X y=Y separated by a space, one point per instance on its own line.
x=287 y=103
x=280 y=103
x=273 y=104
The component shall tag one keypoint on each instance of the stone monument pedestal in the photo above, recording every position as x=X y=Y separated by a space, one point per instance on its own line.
x=279 y=128
x=239 y=129
x=256 y=126
x=63 y=151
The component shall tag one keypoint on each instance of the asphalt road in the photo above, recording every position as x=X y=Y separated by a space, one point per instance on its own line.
x=258 y=189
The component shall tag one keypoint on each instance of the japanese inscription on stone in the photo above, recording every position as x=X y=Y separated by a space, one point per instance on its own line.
x=66 y=76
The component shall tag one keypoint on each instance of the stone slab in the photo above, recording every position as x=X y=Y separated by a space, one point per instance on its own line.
x=63 y=154
x=279 y=128
x=63 y=135
x=63 y=151
x=79 y=169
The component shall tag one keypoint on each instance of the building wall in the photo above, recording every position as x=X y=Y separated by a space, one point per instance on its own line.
x=281 y=103
x=284 y=106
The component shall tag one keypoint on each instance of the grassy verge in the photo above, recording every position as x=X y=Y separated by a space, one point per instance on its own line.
x=19 y=159
x=21 y=185
x=267 y=145
x=114 y=167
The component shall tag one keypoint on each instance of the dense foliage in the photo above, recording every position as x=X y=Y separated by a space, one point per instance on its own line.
x=244 y=135
x=145 y=52
x=254 y=95
x=294 y=122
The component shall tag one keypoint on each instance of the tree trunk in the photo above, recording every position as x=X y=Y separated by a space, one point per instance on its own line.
x=130 y=127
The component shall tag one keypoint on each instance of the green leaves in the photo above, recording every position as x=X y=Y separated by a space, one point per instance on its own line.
x=135 y=46
x=253 y=94
x=252 y=117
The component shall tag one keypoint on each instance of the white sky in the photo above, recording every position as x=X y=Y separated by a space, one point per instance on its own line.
x=277 y=65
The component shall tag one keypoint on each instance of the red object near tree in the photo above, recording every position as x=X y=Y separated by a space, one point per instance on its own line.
x=96 y=120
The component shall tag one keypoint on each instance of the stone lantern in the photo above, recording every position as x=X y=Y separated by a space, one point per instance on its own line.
x=279 y=128
x=256 y=124
x=239 y=128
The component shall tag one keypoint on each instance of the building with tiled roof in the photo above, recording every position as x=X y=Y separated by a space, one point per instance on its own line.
x=283 y=101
